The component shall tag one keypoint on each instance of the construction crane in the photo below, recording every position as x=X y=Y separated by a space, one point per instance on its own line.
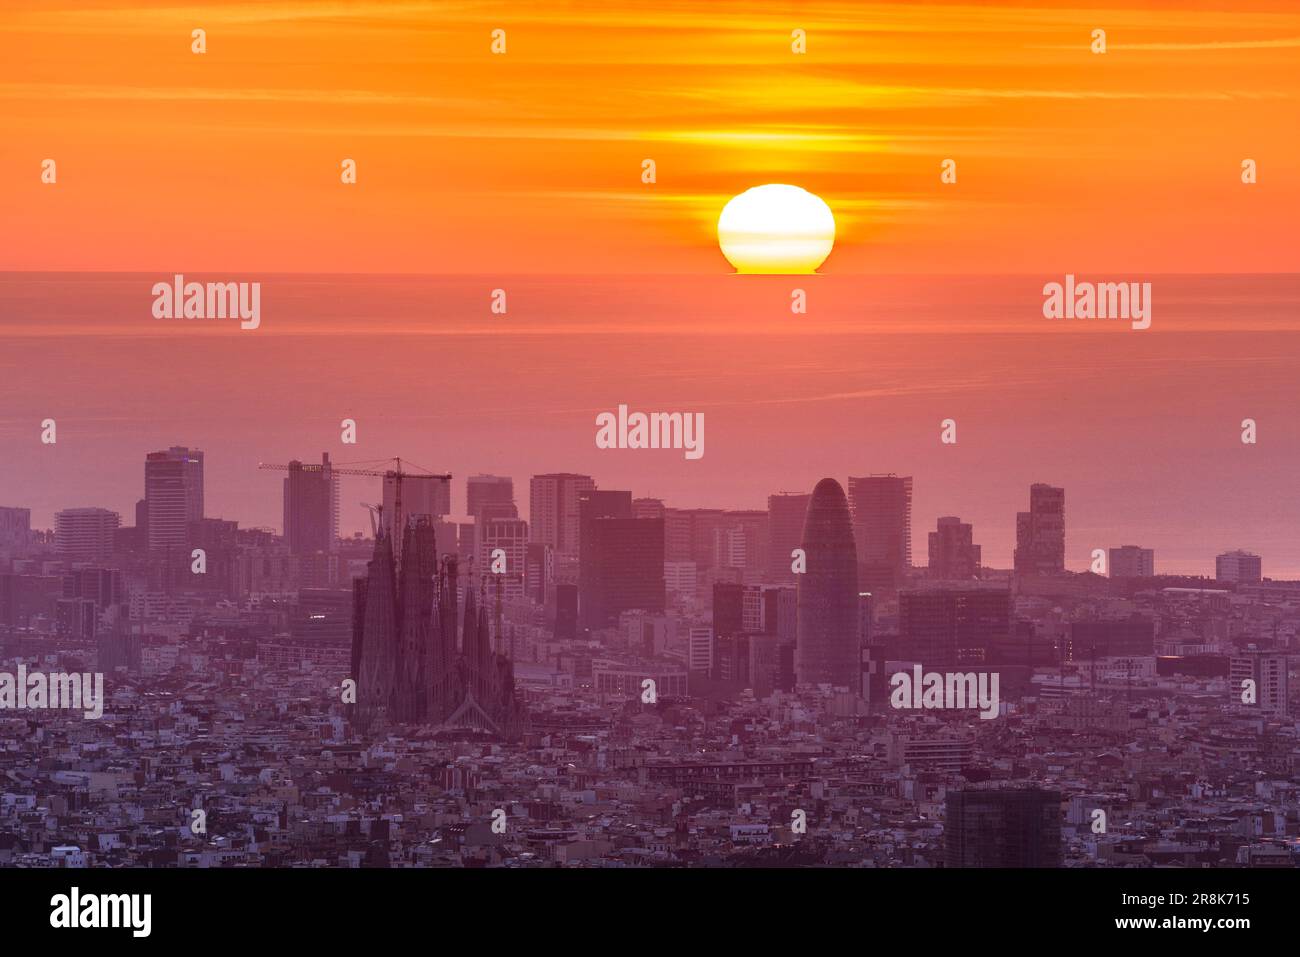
x=396 y=474
x=376 y=515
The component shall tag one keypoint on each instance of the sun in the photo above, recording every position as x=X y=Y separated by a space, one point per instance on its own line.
x=776 y=230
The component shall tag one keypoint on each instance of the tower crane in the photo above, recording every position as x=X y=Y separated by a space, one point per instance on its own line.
x=397 y=473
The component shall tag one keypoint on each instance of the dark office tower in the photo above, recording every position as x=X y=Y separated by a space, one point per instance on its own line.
x=953 y=554
x=467 y=534
x=865 y=610
x=311 y=508
x=622 y=569
x=764 y=665
x=632 y=553
x=89 y=595
x=118 y=647
x=566 y=611
x=1040 y=532
x=1002 y=828
x=881 y=506
x=875 y=679
x=553 y=514
x=786 y=653
x=142 y=521
x=493 y=511
x=780 y=612
x=539 y=571
x=24 y=597
x=173 y=493
x=481 y=490
x=1119 y=638
x=785 y=517
x=15 y=530
x=647 y=508
x=106 y=587
x=953 y=626
x=219 y=539
x=867 y=664
x=592 y=506
x=826 y=649
x=322 y=617
x=597 y=503
x=75 y=618
x=728 y=610
x=731 y=659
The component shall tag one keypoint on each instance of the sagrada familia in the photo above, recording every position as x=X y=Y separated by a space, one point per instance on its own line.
x=410 y=667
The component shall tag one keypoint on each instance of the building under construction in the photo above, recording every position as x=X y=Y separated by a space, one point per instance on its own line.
x=417 y=659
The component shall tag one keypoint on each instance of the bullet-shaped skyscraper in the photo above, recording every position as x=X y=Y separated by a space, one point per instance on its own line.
x=827 y=647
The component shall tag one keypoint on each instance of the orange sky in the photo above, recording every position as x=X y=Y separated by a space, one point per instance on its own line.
x=530 y=162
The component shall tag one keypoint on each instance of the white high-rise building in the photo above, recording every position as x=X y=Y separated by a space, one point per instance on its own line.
x=553 y=510
x=680 y=581
x=699 y=650
x=510 y=537
x=85 y=534
x=1238 y=566
x=1268 y=671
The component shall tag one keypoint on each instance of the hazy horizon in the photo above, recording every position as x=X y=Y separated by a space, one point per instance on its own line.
x=1133 y=423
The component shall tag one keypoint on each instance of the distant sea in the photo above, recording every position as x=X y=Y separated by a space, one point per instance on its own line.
x=1142 y=428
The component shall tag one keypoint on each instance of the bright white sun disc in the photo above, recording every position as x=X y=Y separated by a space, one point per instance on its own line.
x=777 y=230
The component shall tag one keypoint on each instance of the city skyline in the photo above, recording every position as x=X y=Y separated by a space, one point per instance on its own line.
x=458 y=435
x=1144 y=427
x=1085 y=558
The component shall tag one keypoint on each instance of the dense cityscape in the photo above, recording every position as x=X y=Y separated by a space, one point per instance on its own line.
x=619 y=682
